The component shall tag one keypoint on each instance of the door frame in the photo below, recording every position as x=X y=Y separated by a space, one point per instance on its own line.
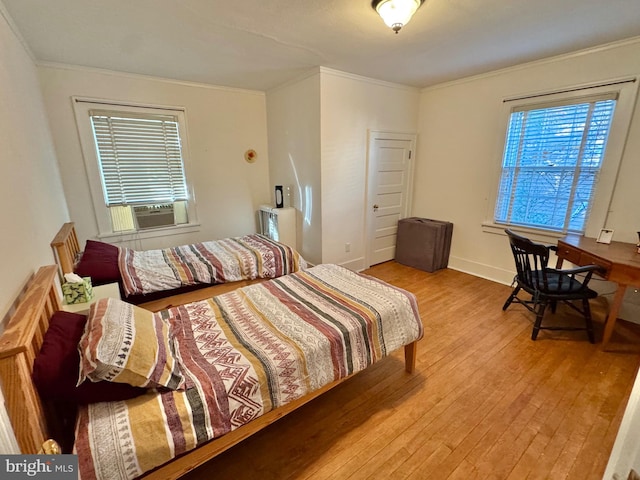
x=369 y=220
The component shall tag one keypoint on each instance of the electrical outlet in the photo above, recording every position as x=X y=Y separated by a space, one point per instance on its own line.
x=347 y=247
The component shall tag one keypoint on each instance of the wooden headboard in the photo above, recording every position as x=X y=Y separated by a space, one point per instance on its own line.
x=66 y=247
x=19 y=345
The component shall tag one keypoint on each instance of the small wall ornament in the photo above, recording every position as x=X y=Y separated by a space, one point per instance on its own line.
x=250 y=156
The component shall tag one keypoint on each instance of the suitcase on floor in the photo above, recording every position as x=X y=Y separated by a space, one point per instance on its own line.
x=424 y=243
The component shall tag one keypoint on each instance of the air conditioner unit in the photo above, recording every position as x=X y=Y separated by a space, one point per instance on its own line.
x=153 y=216
x=279 y=224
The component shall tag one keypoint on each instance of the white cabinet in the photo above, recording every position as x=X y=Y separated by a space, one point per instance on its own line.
x=279 y=224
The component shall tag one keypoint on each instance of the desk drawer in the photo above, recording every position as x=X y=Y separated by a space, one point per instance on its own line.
x=569 y=253
x=588 y=259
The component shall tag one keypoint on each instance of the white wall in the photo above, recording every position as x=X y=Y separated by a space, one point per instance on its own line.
x=294 y=155
x=351 y=107
x=31 y=193
x=30 y=188
x=318 y=140
x=222 y=123
x=460 y=147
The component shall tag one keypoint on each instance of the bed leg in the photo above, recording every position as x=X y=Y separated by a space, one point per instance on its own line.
x=410 y=352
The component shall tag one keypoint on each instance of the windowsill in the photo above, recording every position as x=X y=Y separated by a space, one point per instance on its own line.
x=534 y=234
x=150 y=233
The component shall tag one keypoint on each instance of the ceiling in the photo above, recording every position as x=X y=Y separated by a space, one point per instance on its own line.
x=260 y=44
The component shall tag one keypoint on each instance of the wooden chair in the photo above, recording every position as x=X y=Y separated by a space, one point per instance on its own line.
x=548 y=285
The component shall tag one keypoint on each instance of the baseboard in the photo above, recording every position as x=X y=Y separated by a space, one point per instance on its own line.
x=481 y=270
x=356 y=265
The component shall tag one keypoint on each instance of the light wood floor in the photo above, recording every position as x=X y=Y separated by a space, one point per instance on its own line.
x=485 y=402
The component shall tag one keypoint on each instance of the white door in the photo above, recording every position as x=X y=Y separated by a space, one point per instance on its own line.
x=390 y=172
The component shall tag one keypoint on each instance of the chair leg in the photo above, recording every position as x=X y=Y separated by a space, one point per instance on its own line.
x=537 y=325
x=587 y=318
x=513 y=295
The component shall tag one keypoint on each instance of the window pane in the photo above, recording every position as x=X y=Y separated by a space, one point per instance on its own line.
x=180 y=212
x=580 y=208
x=541 y=198
x=140 y=158
x=122 y=218
x=550 y=165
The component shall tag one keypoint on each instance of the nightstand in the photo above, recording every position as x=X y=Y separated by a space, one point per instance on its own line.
x=110 y=290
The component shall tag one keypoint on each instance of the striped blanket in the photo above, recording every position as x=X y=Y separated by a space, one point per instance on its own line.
x=219 y=261
x=245 y=353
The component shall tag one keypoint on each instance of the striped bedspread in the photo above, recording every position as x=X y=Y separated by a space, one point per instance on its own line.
x=219 y=261
x=245 y=353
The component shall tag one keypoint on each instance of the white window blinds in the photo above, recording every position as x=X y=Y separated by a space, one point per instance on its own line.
x=139 y=157
x=552 y=157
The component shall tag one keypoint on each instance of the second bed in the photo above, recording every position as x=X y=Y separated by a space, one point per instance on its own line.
x=147 y=275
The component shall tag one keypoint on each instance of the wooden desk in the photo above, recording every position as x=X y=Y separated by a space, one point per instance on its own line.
x=620 y=262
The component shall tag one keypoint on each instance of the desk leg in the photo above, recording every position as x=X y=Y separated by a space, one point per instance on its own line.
x=613 y=315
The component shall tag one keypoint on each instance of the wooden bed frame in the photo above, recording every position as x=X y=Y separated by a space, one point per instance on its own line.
x=20 y=343
x=66 y=248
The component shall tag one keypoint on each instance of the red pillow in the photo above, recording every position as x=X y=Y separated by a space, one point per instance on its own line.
x=56 y=367
x=100 y=262
x=100 y=251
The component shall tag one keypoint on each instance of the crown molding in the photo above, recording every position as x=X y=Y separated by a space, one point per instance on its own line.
x=311 y=72
x=373 y=81
x=320 y=70
x=542 y=61
x=137 y=76
x=16 y=32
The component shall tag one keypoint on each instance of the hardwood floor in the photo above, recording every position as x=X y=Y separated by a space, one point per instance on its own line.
x=485 y=401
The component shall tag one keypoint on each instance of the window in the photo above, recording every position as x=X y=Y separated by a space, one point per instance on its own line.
x=551 y=162
x=135 y=158
x=560 y=158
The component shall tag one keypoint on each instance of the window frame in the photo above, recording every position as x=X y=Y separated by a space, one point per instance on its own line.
x=82 y=107
x=626 y=91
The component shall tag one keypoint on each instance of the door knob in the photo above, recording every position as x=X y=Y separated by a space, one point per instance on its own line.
x=375 y=207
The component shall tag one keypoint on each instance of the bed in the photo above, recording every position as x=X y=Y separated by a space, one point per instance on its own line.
x=382 y=318
x=145 y=276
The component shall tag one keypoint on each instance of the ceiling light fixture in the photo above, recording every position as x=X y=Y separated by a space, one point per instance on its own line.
x=396 y=13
